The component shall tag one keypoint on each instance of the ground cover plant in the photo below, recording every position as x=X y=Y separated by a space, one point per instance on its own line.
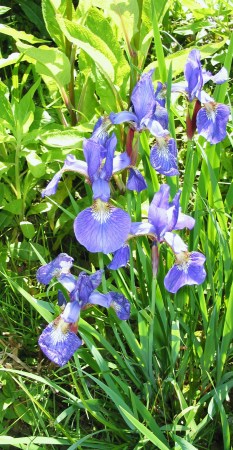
x=116 y=225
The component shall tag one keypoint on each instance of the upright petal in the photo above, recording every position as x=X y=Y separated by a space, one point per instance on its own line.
x=212 y=121
x=92 y=152
x=221 y=76
x=136 y=181
x=101 y=190
x=84 y=287
x=60 y=265
x=143 y=98
x=161 y=93
x=102 y=228
x=161 y=198
x=71 y=312
x=58 y=343
x=106 y=171
x=193 y=74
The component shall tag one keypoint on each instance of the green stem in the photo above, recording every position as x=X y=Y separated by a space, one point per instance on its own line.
x=101 y=266
x=158 y=44
x=151 y=331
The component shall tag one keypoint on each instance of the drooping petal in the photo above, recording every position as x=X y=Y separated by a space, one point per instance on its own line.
x=96 y=298
x=188 y=270
x=154 y=127
x=143 y=98
x=175 y=242
x=136 y=181
x=120 y=258
x=193 y=74
x=120 y=304
x=70 y=164
x=58 y=343
x=184 y=221
x=51 y=188
x=212 y=121
x=163 y=157
x=60 y=265
x=102 y=228
x=221 y=76
x=123 y=116
x=142 y=229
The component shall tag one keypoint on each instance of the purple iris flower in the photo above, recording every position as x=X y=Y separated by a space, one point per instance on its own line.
x=188 y=270
x=211 y=119
x=59 y=340
x=166 y=216
x=60 y=266
x=144 y=106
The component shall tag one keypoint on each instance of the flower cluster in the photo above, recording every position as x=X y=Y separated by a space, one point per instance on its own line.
x=103 y=227
x=59 y=340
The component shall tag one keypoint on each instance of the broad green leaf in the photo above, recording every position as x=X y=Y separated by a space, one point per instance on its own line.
x=14 y=207
x=19 y=35
x=50 y=62
x=100 y=26
x=4 y=9
x=24 y=112
x=124 y=14
x=28 y=229
x=24 y=251
x=35 y=164
x=6 y=113
x=62 y=138
x=179 y=58
x=94 y=46
x=34 y=14
x=49 y=10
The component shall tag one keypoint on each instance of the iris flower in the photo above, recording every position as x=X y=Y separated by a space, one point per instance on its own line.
x=188 y=270
x=59 y=340
x=211 y=119
x=144 y=106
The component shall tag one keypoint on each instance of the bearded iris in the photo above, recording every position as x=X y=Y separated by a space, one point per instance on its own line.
x=59 y=340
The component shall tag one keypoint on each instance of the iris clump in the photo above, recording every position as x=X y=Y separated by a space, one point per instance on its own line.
x=59 y=339
x=104 y=227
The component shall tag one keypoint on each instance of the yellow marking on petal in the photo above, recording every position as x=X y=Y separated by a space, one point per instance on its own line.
x=211 y=110
x=183 y=261
x=59 y=332
x=101 y=211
